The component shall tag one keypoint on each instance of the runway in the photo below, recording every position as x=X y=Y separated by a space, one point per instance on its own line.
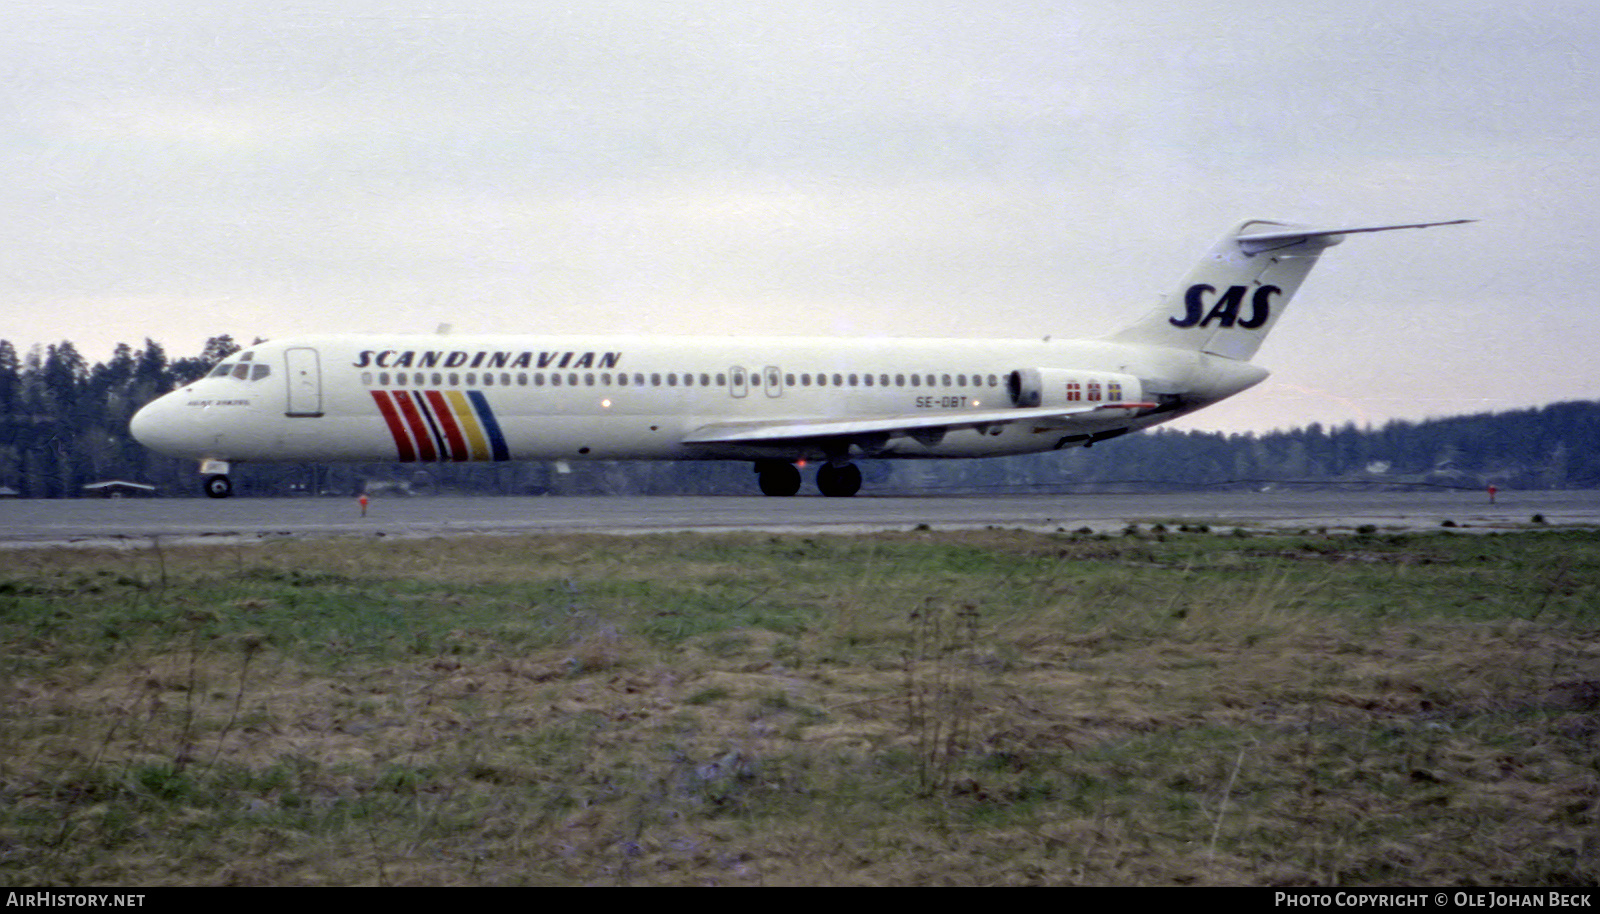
x=26 y=523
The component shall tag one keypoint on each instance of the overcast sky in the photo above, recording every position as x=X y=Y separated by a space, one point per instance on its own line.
x=181 y=169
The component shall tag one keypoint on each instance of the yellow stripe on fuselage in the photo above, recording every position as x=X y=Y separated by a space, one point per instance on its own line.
x=470 y=426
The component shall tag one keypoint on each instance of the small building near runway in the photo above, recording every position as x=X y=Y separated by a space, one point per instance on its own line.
x=119 y=488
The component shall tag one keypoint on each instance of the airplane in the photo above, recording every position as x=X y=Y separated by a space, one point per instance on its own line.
x=777 y=402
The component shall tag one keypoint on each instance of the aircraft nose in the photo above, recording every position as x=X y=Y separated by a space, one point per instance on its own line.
x=153 y=427
x=142 y=426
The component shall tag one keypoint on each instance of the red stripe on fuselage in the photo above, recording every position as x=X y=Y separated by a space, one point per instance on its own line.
x=397 y=428
x=419 y=426
x=447 y=425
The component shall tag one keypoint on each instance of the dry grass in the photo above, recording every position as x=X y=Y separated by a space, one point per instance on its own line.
x=986 y=708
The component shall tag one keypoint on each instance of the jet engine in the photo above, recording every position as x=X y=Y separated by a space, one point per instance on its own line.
x=1062 y=387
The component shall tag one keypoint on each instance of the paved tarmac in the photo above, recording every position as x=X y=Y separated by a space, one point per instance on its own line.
x=26 y=523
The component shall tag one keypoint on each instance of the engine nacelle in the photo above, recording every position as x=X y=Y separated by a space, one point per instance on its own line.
x=1029 y=387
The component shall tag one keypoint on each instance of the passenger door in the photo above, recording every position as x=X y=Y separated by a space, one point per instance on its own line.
x=305 y=382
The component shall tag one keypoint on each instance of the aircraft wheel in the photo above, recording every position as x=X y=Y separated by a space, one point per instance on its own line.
x=779 y=479
x=219 y=486
x=839 y=482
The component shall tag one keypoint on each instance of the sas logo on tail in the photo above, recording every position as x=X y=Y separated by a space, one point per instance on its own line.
x=1225 y=311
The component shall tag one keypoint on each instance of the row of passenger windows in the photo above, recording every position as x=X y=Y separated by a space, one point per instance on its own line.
x=740 y=378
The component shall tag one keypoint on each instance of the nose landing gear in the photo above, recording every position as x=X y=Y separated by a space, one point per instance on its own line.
x=217 y=483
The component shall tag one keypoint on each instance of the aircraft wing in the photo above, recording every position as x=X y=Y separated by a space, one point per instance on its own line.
x=784 y=431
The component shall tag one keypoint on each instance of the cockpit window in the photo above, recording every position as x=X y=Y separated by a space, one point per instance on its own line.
x=243 y=368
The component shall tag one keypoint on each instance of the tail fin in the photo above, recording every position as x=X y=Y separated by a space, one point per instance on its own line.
x=1231 y=299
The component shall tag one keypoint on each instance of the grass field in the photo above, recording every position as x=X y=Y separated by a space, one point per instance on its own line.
x=996 y=707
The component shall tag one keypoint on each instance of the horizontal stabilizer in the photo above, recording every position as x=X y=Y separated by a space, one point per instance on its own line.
x=1263 y=241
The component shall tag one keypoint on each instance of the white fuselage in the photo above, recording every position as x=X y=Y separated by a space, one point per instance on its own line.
x=425 y=398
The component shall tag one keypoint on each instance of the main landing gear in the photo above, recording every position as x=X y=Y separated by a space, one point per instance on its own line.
x=778 y=478
x=839 y=482
x=783 y=479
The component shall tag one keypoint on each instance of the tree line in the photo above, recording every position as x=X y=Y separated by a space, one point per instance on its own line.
x=64 y=422
x=64 y=426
